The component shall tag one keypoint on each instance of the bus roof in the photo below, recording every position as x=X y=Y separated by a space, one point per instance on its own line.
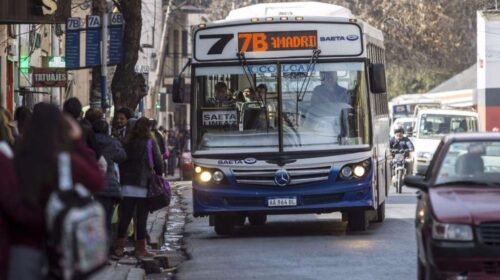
x=317 y=9
x=447 y=112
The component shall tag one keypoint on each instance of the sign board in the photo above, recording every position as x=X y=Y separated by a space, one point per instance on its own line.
x=116 y=39
x=93 y=41
x=219 y=118
x=73 y=43
x=48 y=77
x=278 y=40
x=34 y=11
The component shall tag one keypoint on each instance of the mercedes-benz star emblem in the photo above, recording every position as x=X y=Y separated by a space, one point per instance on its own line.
x=281 y=178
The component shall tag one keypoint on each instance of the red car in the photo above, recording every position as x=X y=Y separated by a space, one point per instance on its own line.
x=458 y=211
x=186 y=163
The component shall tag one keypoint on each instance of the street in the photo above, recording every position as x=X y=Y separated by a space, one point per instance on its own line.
x=305 y=247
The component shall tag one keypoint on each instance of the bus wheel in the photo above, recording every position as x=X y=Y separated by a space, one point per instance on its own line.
x=257 y=219
x=223 y=225
x=239 y=220
x=358 y=220
x=380 y=213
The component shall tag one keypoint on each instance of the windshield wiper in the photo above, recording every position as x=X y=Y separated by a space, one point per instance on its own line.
x=310 y=69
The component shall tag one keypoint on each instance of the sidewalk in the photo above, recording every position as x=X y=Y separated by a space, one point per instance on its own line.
x=165 y=229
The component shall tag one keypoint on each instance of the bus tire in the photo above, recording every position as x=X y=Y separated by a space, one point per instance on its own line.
x=380 y=213
x=358 y=220
x=239 y=220
x=257 y=219
x=223 y=225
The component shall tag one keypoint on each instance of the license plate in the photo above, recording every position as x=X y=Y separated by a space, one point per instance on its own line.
x=278 y=202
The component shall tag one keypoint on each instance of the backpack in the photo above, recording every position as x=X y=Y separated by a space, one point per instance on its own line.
x=77 y=243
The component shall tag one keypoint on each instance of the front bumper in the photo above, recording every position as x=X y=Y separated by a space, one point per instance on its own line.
x=318 y=198
x=452 y=258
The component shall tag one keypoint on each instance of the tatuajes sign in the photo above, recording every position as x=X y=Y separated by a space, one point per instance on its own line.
x=49 y=77
x=34 y=11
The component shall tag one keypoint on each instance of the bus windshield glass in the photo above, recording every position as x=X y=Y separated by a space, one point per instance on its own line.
x=323 y=107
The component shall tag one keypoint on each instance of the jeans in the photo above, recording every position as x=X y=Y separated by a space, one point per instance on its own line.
x=108 y=203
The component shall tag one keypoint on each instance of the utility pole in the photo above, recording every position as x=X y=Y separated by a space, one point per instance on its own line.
x=161 y=63
x=107 y=4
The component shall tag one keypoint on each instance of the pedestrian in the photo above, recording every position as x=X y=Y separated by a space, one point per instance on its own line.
x=134 y=174
x=33 y=177
x=173 y=150
x=73 y=107
x=7 y=129
x=158 y=137
x=114 y=154
x=21 y=117
x=121 y=123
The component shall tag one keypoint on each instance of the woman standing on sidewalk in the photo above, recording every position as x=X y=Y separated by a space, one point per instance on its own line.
x=134 y=174
x=27 y=183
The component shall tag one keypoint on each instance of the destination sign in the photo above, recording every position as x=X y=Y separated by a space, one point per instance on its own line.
x=277 y=41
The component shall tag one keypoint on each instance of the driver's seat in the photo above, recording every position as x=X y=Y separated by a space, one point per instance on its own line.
x=469 y=164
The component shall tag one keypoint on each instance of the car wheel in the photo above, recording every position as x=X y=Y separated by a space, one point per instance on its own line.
x=257 y=219
x=380 y=213
x=358 y=220
x=420 y=269
x=223 y=225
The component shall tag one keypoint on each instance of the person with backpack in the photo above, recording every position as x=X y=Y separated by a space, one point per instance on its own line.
x=114 y=153
x=33 y=177
x=134 y=173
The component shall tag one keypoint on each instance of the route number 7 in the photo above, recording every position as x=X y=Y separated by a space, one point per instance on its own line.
x=219 y=46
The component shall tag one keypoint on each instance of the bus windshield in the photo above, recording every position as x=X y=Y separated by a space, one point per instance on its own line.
x=324 y=106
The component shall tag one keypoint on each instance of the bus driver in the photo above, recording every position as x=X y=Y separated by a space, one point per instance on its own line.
x=329 y=91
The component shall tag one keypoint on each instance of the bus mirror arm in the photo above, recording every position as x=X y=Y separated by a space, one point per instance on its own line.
x=179 y=84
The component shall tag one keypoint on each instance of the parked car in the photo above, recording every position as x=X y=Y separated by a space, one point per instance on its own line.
x=458 y=210
x=186 y=163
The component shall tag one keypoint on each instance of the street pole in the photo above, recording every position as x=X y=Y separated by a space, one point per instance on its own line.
x=104 y=53
x=161 y=63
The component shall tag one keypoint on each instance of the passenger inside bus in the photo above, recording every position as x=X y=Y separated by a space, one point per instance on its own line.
x=221 y=97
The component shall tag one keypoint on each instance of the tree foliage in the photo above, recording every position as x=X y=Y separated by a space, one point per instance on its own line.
x=427 y=41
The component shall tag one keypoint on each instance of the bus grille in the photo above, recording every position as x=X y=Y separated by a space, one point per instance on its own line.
x=490 y=233
x=265 y=177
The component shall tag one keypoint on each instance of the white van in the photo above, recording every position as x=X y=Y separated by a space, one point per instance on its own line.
x=431 y=125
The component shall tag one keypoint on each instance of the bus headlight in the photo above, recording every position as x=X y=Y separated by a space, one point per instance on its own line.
x=218 y=176
x=205 y=176
x=346 y=172
x=359 y=171
x=198 y=170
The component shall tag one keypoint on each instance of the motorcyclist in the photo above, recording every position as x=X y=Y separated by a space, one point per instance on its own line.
x=399 y=142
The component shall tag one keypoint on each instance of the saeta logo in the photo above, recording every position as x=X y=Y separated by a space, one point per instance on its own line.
x=352 y=37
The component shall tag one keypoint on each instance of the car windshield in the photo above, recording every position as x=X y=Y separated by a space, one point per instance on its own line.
x=474 y=162
x=438 y=125
x=324 y=106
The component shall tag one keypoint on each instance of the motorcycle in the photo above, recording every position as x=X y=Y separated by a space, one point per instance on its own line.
x=399 y=168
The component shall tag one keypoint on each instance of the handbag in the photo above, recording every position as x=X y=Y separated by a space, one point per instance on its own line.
x=159 y=191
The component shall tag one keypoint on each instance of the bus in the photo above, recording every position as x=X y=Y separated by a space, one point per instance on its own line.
x=403 y=106
x=289 y=116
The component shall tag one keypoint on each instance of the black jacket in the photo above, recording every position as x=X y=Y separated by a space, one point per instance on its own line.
x=135 y=171
x=159 y=139
x=113 y=152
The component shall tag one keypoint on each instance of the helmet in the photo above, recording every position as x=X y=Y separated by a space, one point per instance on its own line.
x=399 y=128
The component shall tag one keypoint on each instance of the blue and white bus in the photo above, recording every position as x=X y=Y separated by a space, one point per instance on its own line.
x=289 y=115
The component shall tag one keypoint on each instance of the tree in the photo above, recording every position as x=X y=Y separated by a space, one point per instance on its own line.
x=129 y=87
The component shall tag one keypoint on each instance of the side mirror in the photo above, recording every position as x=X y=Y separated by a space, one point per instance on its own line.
x=416 y=181
x=377 y=78
x=178 y=89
